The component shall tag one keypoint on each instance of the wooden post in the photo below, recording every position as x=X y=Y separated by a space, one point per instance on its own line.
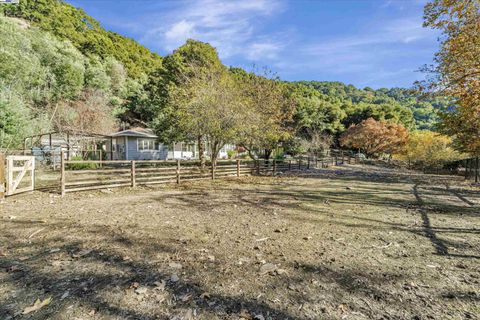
x=336 y=160
x=68 y=146
x=2 y=176
x=274 y=167
x=289 y=165
x=62 y=173
x=25 y=146
x=52 y=155
x=238 y=167
x=32 y=172
x=308 y=163
x=316 y=162
x=9 y=174
x=476 y=169
x=299 y=163
x=178 y=171
x=466 y=169
x=213 y=171
x=111 y=148
x=132 y=175
x=258 y=167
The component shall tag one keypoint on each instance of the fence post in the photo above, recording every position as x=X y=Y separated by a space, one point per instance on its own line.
x=308 y=163
x=238 y=167
x=213 y=170
x=258 y=167
x=466 y=169
x=336 y=160
x=178 y=171
x=316 y=162
x=2 y=176
x=299 y=163
x=274 y=167
x=476 y=169
x=62 y=173
x=132 y=175
x=289 y=165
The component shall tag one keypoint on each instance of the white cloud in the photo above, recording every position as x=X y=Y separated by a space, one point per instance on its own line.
x=263 y=50
x=230 y=26
x=180 y=31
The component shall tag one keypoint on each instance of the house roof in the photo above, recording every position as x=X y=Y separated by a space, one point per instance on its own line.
x=135 y=132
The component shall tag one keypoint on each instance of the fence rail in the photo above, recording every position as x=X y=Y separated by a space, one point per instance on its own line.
x=82 y=175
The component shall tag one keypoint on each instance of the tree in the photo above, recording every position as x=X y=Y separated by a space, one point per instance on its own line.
x=428 y=148
x=198 y=99
x=267 y=114
x=316 y=114
x=375 y=137
x=456 y=72
x=85 y=33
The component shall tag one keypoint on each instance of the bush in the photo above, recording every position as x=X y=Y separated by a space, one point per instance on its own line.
x=428 y=149
x=82 y=166
x=231 y=154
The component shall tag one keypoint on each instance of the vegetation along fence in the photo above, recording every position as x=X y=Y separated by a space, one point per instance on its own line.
x=81 y=175
x=469 y=168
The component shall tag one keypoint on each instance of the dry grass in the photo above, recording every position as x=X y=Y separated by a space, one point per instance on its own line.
x=351 y=243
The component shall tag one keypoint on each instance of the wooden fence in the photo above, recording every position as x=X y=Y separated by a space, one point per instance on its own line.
x=81 y=175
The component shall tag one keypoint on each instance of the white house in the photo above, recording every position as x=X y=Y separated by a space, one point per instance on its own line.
x=142 y=144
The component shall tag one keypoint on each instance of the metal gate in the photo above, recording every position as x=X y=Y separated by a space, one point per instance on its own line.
x=20 y=174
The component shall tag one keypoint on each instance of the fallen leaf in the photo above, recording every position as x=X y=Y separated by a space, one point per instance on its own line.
x=37 y=305
x=244 y=314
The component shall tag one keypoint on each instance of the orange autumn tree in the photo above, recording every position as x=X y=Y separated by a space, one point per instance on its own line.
x=375 y=137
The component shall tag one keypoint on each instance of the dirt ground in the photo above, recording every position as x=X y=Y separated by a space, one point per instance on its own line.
x=341 y=243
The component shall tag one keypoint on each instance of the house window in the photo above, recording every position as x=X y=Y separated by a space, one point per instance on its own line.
x=147 y=145
x=188 y=147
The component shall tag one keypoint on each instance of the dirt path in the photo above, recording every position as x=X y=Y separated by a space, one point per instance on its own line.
x=351 y=243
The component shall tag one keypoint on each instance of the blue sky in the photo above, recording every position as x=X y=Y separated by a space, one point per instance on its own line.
x=375 y=43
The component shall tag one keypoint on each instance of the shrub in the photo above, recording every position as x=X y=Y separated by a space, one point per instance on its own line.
x=82 y=166
x=231 y=154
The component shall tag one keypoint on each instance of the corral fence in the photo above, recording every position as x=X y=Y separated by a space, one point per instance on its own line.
x=80 y=175
x=469 y=168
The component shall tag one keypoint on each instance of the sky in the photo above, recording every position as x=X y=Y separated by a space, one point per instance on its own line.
x=367 y=43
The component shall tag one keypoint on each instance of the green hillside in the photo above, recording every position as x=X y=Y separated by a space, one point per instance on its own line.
x=85 y=33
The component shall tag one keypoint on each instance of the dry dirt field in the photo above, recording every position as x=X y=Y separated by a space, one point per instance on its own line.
x=341 y=243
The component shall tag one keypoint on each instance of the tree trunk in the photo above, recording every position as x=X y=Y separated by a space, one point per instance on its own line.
x=267 y=154
x=201 y=152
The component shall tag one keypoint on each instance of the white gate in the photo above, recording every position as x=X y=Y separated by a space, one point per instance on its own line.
x=17 y=169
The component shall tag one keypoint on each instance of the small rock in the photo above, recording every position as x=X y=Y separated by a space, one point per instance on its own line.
x=281 y=271
x=141 y=290
x=268 y=268
x=174 y=278
x=160 y=285
x=175 y=265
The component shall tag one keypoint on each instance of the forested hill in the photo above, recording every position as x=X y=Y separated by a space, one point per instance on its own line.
x=85 y=33
x=398 y=104
x=61 y=70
